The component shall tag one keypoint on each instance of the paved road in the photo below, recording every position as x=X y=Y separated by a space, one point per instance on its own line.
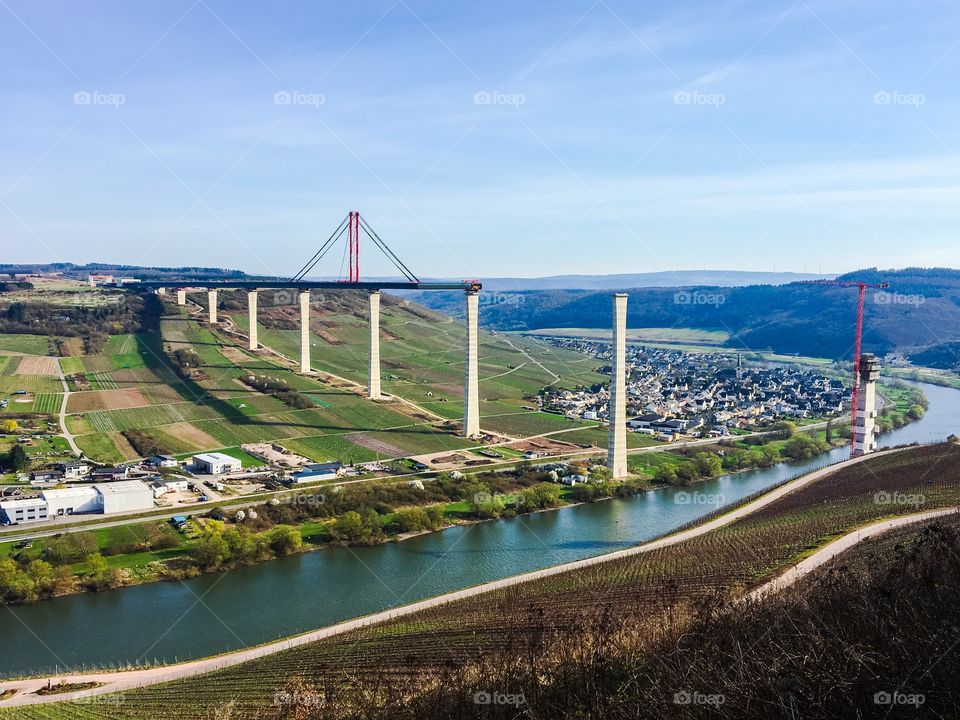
x=115 y=681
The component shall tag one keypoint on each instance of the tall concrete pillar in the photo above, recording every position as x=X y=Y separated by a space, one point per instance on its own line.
x=181 y=297
x=617 y=442
x=471 y=384
x=212 y=305
x=252 y=318
x=865 y=428
x=305 y=331
x=373 y=390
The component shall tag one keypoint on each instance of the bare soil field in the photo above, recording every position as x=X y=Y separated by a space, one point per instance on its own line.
x=377 y=446
x=543 y=445
x=191 y=434
x=32 y=365
x=275 y=454
x=106 y=400
x=124 y=446
x=234 y=354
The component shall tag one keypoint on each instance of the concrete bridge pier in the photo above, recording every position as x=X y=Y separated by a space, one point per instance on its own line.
x=305 y=331
x=373 y=389
x=617 y=442
x=471 y=384
x=181 y=297
x=252 y=318
x=212 y=306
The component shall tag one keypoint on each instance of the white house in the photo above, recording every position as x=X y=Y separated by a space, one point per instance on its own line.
x=216 y=463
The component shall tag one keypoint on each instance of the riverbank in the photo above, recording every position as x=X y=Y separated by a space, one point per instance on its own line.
x=218 y=541
x=167 y=622
x=123 y=680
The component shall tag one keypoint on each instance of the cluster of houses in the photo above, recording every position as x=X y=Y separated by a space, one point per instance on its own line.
x=673 y=393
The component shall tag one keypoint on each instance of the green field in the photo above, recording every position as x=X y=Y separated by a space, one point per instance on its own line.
x=24 y=344
x=214 y=408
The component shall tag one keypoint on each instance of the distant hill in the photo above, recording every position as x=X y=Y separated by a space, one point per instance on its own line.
x=678 y=278
x=920 y=313
x=80 y=272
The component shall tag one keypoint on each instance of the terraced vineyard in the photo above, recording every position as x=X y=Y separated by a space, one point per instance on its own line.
x=634 y=594
x=132 y=385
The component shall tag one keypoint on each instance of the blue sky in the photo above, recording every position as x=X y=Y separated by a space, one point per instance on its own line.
x=498 y=138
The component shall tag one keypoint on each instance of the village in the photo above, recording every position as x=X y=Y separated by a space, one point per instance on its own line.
x=671 y=394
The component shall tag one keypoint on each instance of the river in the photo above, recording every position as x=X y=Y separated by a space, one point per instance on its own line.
x=211 y=614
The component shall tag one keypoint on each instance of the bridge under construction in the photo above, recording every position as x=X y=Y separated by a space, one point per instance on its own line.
x=354 y=226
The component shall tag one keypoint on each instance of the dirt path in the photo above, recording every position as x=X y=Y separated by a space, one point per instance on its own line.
x=829 y=552
x=125 y=680
x=67 y=435
x=528 y=356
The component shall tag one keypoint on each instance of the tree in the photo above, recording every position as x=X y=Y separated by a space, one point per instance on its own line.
x=829 y=430
x=666 y=474
x=803 y=447
x=349 y=526
x=413 y=520
x=708 y=464
x=285 y=539
x=915 y=412
x=769 y=455
x=17 y=459
x=785 y=429
x=211 y=550
x=9 y=425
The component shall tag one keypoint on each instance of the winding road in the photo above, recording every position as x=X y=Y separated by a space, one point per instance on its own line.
x=125 y=680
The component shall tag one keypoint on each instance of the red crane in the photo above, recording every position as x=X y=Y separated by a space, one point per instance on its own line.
x=353 y=247
x=855 y=395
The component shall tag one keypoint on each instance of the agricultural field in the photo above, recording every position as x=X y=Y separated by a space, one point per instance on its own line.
x=421 y=352
x=640 y=592
x=132 y=385
x=15 y=344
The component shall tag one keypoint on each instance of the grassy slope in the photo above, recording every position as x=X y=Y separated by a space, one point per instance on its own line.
x=218 y=411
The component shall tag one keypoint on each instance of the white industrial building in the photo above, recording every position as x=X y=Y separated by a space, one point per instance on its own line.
x=124 y=496
x=117 y=497
x=316 y=472
x=72 y=500
x=23 y=510
x=216 y=463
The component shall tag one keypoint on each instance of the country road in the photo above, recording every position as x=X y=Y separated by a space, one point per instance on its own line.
x=67 y=435
x=125 y=680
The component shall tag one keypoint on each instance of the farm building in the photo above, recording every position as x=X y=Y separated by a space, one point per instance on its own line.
x=163 y=461
x=215 y=463
x=315 y=472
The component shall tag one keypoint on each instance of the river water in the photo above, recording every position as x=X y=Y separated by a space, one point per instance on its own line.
x=216 y=613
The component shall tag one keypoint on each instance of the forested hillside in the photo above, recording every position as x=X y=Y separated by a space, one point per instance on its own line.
x=919 y=314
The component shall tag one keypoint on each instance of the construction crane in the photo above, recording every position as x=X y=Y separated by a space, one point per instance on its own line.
x=855 y=394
